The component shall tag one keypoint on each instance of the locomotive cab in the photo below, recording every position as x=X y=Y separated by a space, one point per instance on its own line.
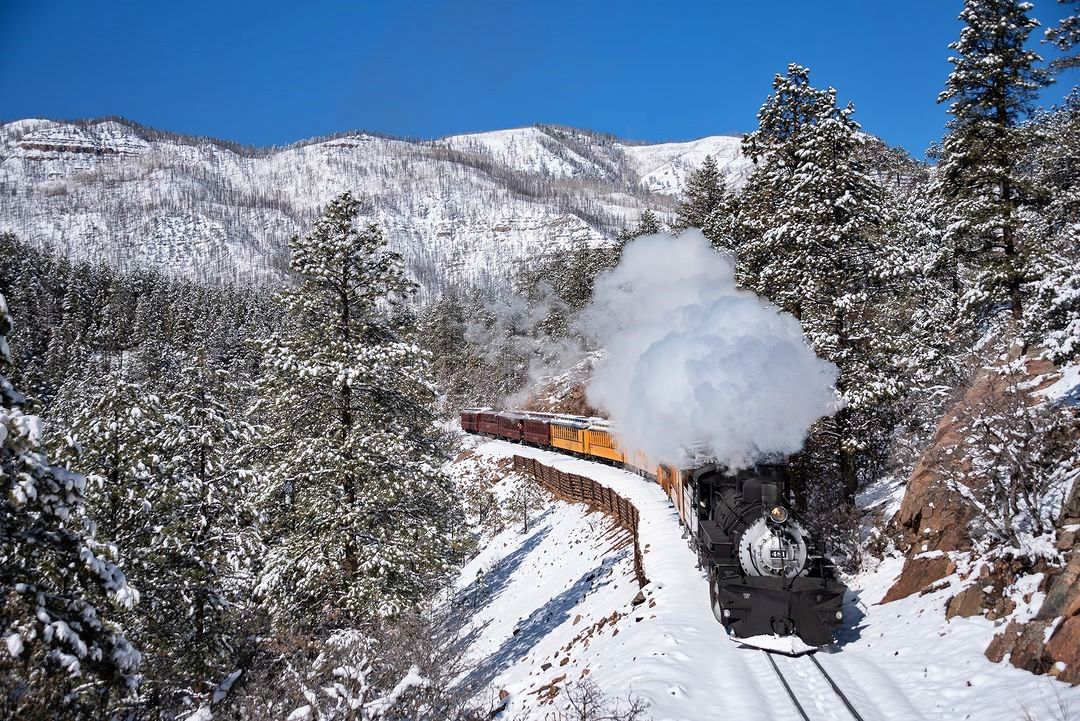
x=766 y=576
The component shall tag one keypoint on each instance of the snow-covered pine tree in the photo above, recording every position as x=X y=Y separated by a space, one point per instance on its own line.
x=1052 y=229
x=165 y=481
x=922 y=334
x=992 y=88
x=501 y=335
x=204 y=537
x=361 y=514
x=68 y=344
x=117 y=438
x=647 y=224
x=705 y=191
x=522 y=499
x=812 y=216
x=443 y=335
x=1066 y=36
x=58 y=649
x=476 y=476
x=585 y=262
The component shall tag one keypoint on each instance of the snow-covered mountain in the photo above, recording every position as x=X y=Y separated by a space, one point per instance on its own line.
x=466 y=207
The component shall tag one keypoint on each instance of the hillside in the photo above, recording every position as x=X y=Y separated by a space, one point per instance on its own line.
x=465 y=207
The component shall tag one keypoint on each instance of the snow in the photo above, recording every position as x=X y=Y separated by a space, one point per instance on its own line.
x=301 y=713
x=14 y=645
x=1067 y=388
x=533 y=599
x=519 y=148
x=664 y=167
x=203 y=713
x=465 y=207
x=223 y=688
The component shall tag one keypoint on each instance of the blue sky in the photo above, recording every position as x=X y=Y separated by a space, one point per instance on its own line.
x=272 y=72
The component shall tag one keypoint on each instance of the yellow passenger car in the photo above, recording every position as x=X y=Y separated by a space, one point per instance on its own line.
x=600 y=443
x=568 y=435
x=640 y=463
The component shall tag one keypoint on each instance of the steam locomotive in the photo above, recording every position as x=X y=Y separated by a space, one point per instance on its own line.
x=767 y=576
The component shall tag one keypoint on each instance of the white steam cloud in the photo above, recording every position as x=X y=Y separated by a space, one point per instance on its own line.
x=694 y=366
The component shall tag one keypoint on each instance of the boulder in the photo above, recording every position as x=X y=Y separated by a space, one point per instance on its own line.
x=1052 y=638
x=934 y=520
x=1025 y=646
x=919 y=573
x=933 y=516
x=969 y=602
x=1064 y=647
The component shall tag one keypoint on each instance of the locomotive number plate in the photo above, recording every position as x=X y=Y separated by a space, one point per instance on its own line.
x=777 y=553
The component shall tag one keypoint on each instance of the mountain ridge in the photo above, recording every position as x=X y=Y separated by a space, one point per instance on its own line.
x=464 y=208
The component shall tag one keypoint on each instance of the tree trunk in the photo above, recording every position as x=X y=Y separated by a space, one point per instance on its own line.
x=846 y=457
x=349 y=564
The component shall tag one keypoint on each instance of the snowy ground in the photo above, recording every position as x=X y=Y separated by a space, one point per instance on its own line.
x=562 y=594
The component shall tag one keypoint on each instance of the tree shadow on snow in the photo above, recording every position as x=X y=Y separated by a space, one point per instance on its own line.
x=490 y=584
x=530 y=631
x=456 y=618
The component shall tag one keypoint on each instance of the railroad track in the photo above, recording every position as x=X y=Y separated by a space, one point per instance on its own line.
x=802 y=678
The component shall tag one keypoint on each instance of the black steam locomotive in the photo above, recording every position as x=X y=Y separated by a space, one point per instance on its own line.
x=766 y=575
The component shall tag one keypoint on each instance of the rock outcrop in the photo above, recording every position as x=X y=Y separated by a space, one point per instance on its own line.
x=933 y=517
x=1050 y=642
x=934 y=522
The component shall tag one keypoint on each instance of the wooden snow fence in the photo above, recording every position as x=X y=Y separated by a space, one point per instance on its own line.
x=579 y=489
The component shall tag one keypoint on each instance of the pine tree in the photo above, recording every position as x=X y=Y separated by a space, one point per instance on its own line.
x=522 y=499
x=705 y=191
x=1066 y=36
x=361 y=515
x=1052 y=230
x=205 y=531
x=164 y=482
x=811 y=218
x=443 y=334
x=993 y=86
x=117 y=440
x=55 y=575
x=647 y=224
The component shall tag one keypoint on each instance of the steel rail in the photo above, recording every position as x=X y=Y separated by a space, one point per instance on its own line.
x=787 y=686
x=857 y=716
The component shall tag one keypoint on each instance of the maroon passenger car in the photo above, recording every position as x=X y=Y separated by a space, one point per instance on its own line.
x=511 y=426
x=469 y=422
x=487 y=422
x=536 y=430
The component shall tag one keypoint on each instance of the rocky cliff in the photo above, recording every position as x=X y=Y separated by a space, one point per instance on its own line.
x=1034 y=593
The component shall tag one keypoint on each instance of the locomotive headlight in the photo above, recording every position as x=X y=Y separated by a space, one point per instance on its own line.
x=778 y=514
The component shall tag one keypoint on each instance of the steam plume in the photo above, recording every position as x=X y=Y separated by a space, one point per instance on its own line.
x=693 y=363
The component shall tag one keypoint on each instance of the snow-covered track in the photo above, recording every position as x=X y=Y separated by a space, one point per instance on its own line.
x=806 y=690
x=832 y=683
x=787 y=687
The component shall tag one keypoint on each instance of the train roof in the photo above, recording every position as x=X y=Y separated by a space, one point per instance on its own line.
x=561 y=419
